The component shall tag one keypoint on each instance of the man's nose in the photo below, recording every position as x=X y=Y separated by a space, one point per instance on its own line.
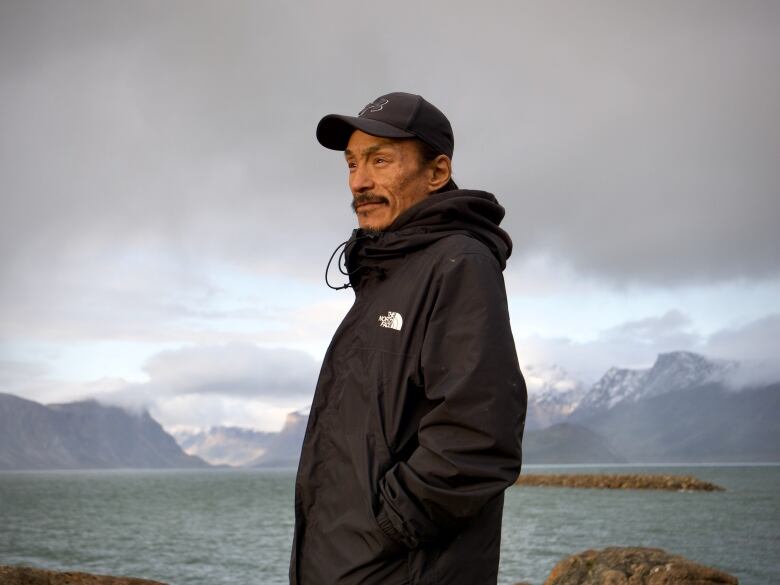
x=360 y=181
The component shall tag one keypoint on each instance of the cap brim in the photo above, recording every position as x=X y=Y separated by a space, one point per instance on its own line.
x=334 y=130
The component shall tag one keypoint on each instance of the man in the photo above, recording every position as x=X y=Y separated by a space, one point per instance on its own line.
x=416 y=424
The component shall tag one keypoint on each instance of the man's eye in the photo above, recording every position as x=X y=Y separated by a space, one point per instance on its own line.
x=379 y=160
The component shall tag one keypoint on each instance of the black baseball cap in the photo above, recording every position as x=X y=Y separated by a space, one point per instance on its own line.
x=393 y=115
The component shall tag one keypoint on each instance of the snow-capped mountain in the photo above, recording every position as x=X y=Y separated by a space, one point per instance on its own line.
x=553 y=395
x=671 y=372
x=682 y=369
x=616 y=385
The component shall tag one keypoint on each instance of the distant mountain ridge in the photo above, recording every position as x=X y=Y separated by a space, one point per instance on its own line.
x=244 y=447
x=285 y=450
x=702 y=423
x=681 y=409
x=234 y=446
x=678 y=410
x=84 y=435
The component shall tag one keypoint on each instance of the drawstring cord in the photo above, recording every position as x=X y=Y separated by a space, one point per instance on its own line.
x=342 y=262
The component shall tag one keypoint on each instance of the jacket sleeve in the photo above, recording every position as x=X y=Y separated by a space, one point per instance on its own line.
x=469 y=444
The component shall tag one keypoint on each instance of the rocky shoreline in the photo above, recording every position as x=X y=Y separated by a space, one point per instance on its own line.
x=679 y=483
x=31 y=576
x=614 y=565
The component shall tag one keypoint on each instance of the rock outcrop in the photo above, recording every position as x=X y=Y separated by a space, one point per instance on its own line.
x=634 y=566
x=614 y=481
x=30 y=576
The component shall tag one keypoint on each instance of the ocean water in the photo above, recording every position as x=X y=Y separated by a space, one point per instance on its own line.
x=235 y=526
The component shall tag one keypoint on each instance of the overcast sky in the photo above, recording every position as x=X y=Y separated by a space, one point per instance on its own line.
x=166 y=212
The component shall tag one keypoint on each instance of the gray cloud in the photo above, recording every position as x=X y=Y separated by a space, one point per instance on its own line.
x=633 y=344
x=144 y=144
x=757 y=340
x=636 y=344
x=672 y=329
x=633 y=142
x=234 y=369
x=15 y=375
x=229 y=384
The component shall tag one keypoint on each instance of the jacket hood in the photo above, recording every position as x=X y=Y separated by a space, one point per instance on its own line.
x=473 y=213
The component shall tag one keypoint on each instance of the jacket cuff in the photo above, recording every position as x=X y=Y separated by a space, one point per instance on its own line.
x=387 y=527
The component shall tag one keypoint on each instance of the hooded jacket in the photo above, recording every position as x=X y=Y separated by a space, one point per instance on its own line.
x=416 y=424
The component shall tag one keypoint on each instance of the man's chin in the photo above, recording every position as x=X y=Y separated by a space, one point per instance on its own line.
x=372 y=228
x=373 y=224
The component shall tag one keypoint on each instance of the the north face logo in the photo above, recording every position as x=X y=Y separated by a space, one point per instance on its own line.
x=392 y=320
x=374 y=106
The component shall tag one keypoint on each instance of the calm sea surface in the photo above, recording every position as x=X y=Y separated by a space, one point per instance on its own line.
x=235 y=527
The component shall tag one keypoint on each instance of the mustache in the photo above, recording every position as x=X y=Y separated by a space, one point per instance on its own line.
x=364 y=198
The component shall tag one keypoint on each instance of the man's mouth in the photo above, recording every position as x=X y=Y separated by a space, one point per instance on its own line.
x=361 y=201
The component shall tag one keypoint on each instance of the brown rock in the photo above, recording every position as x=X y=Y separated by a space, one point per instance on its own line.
x=615 y=481
x=30 y=576
x=634 y=566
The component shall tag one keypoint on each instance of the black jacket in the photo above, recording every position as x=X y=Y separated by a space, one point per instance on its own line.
x=416 y=424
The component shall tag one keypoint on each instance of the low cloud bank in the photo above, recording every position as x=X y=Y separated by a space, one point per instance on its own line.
x=237 y=384
x=242 y=384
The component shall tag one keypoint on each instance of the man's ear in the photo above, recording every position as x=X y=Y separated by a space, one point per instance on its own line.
x=441 y=171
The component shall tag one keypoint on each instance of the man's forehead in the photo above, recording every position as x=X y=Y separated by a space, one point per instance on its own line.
x=360 y=142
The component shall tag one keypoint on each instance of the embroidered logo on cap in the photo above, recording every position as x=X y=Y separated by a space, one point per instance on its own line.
x=374 y=106
x=392 y=320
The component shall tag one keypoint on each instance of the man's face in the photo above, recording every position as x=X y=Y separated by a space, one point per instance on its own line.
x=385 y=177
